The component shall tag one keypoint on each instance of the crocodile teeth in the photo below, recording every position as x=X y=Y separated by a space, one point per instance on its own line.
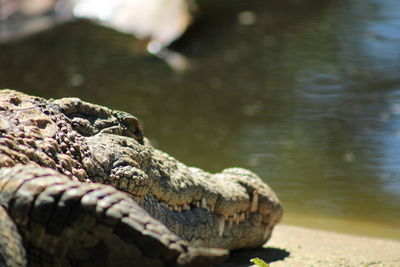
x=212 y=208
x=177 y=208
x=203 y=203
x=236 y=218
x=242 y=217
x=185 y=207
x=254 y=202
x=230 y=222
x=197 y=203
x=266 y=232
x=221 y=226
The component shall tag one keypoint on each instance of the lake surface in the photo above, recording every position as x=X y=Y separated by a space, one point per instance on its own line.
x=306 y=96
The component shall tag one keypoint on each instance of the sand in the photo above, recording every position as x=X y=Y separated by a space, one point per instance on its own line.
x=298 y=246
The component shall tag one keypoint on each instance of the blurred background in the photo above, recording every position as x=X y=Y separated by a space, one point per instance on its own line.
x=305 y=93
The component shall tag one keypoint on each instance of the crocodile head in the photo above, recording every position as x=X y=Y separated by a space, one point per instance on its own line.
x=232 y=209
x=90 y=143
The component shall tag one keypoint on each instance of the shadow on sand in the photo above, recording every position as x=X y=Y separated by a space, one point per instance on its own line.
x=241 y=258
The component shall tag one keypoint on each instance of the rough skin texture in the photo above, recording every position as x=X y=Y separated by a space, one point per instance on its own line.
x=81 y=180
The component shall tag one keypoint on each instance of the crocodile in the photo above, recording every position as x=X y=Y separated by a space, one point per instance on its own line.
x=80 y=185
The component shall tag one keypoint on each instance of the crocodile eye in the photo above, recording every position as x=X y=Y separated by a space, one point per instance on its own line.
x=132 y=126
x=82 y=126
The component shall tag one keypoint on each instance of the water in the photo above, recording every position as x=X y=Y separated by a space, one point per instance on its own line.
x=306 y=96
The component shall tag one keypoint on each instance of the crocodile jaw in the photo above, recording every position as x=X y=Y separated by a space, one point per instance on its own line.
x=232 y=209
x=203 y=228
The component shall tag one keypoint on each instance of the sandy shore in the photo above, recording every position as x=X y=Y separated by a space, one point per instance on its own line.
x=296 y=246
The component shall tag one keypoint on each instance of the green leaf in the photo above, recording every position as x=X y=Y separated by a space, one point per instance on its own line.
x=259 y=262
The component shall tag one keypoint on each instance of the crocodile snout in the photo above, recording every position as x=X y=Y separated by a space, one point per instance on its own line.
x=232 y=209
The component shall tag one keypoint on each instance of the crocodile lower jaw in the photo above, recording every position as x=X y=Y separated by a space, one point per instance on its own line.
x=198 y=223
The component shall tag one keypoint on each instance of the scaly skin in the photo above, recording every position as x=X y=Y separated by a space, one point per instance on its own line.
x=93 y=144
x=68 y=223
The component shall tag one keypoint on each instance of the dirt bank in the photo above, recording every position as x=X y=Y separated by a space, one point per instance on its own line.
x=297 y=246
